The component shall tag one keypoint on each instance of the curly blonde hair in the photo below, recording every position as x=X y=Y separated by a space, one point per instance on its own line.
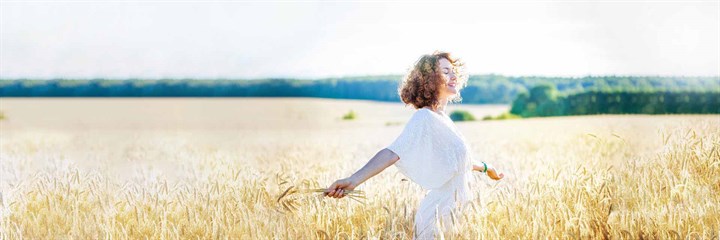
x=420 y=87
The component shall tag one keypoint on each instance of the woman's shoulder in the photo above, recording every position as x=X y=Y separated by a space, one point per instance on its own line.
x=421 y=113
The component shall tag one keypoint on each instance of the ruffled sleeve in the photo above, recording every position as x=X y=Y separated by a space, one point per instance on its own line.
x=420 y=150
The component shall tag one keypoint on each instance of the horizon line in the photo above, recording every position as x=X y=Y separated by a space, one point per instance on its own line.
x=348 y=77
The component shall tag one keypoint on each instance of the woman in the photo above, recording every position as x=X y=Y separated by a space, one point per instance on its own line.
x=430 y=150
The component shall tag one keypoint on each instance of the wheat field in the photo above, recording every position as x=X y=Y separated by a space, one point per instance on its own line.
x=177 y=168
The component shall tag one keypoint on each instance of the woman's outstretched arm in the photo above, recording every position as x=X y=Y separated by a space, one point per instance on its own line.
x=383 y=159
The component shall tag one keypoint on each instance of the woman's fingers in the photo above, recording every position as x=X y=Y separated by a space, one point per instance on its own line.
x=330 y=190
x=492 y=173
x=337 y=189
x=336 y=193
x=333 y=189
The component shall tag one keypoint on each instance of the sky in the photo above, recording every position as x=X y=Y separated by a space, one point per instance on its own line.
x=317 y=39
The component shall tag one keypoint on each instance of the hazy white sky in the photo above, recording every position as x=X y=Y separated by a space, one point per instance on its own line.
x=86 y=39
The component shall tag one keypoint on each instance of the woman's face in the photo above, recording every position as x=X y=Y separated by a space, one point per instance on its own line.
x=447 y=70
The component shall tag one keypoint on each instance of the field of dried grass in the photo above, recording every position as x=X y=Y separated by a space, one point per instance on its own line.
x=243 y=168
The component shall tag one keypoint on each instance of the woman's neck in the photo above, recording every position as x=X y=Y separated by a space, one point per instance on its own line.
x=440 y=108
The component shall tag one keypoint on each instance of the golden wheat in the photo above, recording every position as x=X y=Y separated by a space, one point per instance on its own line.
x=575 y=177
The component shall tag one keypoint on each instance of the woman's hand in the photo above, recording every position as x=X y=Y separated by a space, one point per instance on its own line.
x=493 y=174
x=339 y=187
x=491 y=171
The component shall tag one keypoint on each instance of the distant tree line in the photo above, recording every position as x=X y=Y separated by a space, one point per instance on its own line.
x=481 y=89
x=349 y=89
x=544 y=100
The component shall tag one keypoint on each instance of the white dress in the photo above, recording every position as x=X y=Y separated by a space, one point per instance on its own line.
x=434 y=155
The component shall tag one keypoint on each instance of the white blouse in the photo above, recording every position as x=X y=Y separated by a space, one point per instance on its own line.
x=434 y=155
x=431 y=150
